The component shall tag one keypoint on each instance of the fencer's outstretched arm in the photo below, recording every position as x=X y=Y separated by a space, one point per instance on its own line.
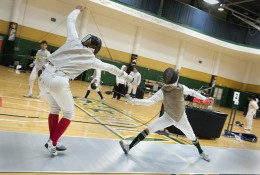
x=191 y=92
x=71 y=25
x=98 y=64
x=158 y=96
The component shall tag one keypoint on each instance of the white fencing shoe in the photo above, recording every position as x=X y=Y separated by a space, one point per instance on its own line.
x=124 y=146
x=28 y=95
x=205 y=156
x=51 y=148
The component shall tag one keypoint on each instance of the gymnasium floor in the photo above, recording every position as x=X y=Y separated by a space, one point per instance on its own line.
x=21 y=114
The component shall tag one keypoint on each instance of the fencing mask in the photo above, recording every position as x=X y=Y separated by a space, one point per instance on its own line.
x=93 y=85
x=93 y=42
x=170 y=76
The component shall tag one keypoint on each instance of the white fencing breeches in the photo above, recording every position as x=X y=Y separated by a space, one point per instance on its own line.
x=56 y=90
x=32 y=78
x=131 y=88
x=249 y=118
x=165 y=121
x=34 y=74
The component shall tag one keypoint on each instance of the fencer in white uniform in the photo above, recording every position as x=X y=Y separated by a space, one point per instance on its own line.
x=132 y=87
x=119 y=85
x=252 y=108
x=69 y=61
x=41 y=60
x=172 y=95
x=95 y=85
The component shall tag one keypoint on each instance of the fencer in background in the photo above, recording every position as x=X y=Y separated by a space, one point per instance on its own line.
x=131 y=66
x=252 y=108
x=40 y=61
x=95 y=85
x=66 y=63
x=132 y=87
x=172 y=96
x=119 y=85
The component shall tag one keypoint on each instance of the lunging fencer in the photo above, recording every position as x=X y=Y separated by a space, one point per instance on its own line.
x=40 y=61
x=252 y=108
x=172 y=96
x=69 y=61
x=95 y=85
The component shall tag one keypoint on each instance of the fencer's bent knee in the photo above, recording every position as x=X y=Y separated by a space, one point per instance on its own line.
x=68 y=115
x=55 y=110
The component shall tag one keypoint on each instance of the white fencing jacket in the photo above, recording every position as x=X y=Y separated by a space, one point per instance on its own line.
x=137 y=78
x=120 y=80
x=253 y=106
x=73 y=58
x=41 y=58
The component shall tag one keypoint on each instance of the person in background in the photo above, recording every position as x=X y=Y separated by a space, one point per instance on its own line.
x=132 y=87
x=12 y=31
x=95 y=85
x=119 y=86
x=40 y=61
x=131 y=66
x=252 y=108
x=212 y=85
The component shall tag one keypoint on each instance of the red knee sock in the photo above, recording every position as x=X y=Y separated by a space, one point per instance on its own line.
x=53 y=121
x=60 y=129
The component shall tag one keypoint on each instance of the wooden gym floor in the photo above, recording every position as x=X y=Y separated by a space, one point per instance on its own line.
x=21 y=114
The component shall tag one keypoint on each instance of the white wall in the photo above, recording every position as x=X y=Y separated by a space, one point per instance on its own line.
x=6 y=9
x=37 y=14
x=117 y=35
x=232 y=68
x=193 y=54
x=159 y=47
x=254 y=77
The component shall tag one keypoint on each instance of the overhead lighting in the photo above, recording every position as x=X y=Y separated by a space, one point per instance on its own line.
x=213 y=2
x=221 y=8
